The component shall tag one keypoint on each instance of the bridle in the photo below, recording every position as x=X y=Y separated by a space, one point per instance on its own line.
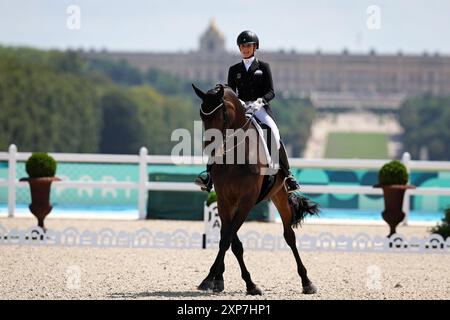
x=215 y=109
x=226 y=124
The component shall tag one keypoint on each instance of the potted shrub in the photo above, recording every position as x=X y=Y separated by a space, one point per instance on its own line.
x=393 y=179
x=212 y=197
x=443 y=229
x=41 y=169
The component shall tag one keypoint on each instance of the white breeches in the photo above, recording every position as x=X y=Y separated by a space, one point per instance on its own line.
x=262 y=116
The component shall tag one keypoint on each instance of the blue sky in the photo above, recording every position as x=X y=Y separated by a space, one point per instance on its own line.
x=412 y=26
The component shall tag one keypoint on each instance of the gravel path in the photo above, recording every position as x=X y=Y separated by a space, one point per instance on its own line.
x=28 y=272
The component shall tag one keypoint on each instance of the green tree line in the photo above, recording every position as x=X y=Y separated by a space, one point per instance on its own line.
x=426 y=121
x=57 y=101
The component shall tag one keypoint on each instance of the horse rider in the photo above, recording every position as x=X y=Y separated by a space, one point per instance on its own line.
x=252 y=80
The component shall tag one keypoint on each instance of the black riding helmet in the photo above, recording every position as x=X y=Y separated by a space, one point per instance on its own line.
x=248 y=37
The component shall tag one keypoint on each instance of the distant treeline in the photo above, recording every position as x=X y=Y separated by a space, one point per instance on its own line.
x=426 y=121
x=57 y=101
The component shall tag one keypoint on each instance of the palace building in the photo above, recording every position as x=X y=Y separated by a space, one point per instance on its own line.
x=332 y=81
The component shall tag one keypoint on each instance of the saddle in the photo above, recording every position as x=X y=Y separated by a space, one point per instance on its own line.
x=272 y=166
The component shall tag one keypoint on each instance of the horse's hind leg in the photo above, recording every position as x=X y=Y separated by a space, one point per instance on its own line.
x=281 y=202
x=238 y=250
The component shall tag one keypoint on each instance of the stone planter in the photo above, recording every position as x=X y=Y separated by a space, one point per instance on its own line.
x=40 y=205
x=393 y=204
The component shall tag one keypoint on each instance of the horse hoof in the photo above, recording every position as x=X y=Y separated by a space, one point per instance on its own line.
x=206 y=285
x=218 y=286
x=256 y=291
x=309 y=289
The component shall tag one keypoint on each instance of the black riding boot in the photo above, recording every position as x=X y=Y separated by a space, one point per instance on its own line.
x=204 y=179
x=289 y=181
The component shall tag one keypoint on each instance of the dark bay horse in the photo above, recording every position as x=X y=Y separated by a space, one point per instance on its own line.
x=238 y=186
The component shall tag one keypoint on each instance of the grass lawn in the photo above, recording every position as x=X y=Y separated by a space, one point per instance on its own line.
x=357 y=145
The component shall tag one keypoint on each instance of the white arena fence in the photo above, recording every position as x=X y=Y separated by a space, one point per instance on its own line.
x=143 y=185
x=181 y=239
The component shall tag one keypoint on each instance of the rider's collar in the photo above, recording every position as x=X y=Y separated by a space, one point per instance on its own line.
x=248 y=62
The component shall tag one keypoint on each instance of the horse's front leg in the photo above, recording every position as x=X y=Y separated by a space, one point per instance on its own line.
x=238 y=251
x=214 y=279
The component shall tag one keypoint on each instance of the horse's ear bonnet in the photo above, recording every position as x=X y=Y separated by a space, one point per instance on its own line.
x=217 y=90
x=199 y=92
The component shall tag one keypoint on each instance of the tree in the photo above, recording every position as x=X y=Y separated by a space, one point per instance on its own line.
x=425 y=120
x=159 y=116
x=43 y=109
x=120 y=117
x=294 y=118
x=121 y=72
x=57 y=101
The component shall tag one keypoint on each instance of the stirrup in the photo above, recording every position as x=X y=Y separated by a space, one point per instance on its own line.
x=204 y=185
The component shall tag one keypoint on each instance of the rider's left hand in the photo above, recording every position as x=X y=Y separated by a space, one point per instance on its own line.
x=258 y=104
x=261 y=101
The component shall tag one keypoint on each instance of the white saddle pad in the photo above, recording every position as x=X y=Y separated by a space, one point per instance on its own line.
x=272 y=166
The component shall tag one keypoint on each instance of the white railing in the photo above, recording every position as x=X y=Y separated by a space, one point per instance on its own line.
x=143 y=185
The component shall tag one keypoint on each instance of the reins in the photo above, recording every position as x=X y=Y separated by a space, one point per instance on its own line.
x=226 y=125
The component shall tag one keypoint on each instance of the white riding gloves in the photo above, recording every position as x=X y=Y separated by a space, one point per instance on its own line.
x=256 y=105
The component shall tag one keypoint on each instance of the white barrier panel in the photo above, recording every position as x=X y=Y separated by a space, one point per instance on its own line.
x=180 y=239
x=211 y=218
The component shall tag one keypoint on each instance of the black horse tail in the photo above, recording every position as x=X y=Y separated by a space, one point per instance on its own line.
x=301 y=207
